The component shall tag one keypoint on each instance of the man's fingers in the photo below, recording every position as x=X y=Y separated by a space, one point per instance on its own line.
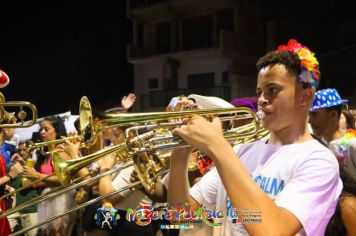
x=216 y=121
x=180 y=131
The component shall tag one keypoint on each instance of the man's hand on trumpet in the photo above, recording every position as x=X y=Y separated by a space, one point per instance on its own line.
x=202 y=134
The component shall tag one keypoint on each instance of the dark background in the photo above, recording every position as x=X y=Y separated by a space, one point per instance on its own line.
x=57 y=51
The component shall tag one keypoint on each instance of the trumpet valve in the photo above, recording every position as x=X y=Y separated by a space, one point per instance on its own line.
x=22 y=115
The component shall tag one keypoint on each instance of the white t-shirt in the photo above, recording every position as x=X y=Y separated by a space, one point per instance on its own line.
x=132 y=199
x=302 y=178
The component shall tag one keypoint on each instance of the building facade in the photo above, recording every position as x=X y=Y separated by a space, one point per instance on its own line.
x=181 y=47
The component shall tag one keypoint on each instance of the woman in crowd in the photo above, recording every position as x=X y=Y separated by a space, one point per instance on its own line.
x=52 y=128
x=347 y=120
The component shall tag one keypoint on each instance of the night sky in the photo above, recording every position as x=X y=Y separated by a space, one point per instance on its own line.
x=57 y=51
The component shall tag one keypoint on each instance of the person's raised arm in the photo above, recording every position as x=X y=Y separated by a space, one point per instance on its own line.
x=208 y=137
x=178 y=184
x=106 y=182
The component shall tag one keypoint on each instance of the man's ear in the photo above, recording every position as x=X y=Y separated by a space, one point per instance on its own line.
x=307 y=97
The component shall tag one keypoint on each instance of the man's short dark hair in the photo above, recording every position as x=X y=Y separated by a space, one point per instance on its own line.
x=288 y=59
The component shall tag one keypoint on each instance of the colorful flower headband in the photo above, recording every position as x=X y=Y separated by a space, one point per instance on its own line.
x=308 y=63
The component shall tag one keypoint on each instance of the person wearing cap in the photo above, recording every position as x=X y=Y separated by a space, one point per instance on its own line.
x=327 y=106
x=289 y=181
x=324 y=118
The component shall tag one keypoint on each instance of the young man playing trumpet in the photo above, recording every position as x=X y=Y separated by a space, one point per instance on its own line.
x=295 y=181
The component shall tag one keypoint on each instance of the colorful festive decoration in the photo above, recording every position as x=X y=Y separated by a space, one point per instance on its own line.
x=346 y=139
x=4 y=79
x=204 y=163
x=309 y=65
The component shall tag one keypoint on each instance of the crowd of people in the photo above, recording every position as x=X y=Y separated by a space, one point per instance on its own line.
x=300 y=178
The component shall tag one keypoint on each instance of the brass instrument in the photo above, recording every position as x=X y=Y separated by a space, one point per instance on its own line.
x=61 y=189
x=93 y=121
x=149 y=150
x=152 y=156
x=88 y=203
x=21 y=115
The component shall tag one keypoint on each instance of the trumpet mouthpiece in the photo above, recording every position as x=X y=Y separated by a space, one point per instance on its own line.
x=260 y=114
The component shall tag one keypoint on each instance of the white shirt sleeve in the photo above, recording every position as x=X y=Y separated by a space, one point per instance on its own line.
x=311 y=195
x=204 y=192
x=122 y=180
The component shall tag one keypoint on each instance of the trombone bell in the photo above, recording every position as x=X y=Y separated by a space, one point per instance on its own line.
x=21 y=115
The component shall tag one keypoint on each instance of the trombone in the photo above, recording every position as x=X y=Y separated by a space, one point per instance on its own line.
x=21 y=115
x=61 y=190
x=143 y=143
x=72 y=165
x=88 y=203
x=93 y=121
x=144 y=148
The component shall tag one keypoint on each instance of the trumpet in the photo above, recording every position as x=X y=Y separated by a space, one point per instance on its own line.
x=148 y=146
x=92 y=121
x=149 y=149
x=21 y=115
x=151 y=157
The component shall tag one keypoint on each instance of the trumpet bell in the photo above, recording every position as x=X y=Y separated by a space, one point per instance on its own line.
x=66 y=169
x=86 y=120
x=62 y=168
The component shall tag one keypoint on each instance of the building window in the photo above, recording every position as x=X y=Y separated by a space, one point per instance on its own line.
x=163 y=37
x=153 y=83
x=201 y=80
x=225 y=20
x=140 y=35
x=197 y=32
x=225 y=77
